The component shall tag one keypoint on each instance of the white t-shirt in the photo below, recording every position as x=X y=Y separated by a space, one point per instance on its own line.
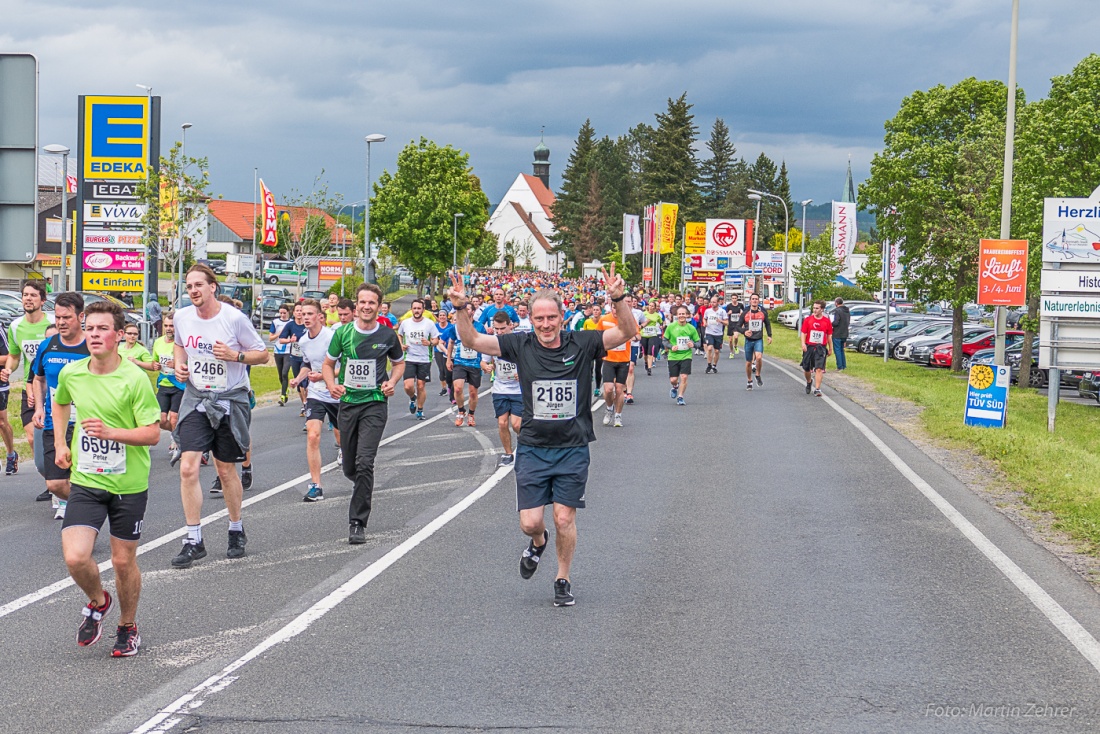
x=314 y=350
x=524 y=325
x=413 y=333
x=716 y=321
x=639 y=318
x=505 y=377
x=197 y=336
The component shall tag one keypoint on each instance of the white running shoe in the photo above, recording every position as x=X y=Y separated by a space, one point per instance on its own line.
x=59 y=514
x=607 y=417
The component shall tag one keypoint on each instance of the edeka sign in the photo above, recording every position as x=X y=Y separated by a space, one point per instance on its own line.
x=116 y=134
x=1002 y=272
x=987 y=396
x=113 y=282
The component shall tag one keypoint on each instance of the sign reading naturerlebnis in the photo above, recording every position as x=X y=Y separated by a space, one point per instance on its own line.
x=116 y=133
x=987 y=396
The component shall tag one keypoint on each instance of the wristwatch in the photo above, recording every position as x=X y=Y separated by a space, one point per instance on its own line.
x=240 y=356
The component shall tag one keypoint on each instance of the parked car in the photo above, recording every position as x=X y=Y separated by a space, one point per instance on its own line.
x=860 y=338
x=218 y=266
x=283 y=271
x=941 y=355
x=319 y=295
x=282 y=293
x=266 y=311
x=1089 y=386
x=933 y=334
x=920 y=326
x=920 y=351
x=240 y=291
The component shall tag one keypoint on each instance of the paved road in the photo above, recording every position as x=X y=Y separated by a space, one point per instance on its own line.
x=750 y=562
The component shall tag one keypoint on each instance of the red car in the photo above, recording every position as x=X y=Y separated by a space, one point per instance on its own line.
x=941 y=355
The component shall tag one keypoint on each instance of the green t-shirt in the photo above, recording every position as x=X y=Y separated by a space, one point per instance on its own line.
x=163 y=350
x=25 y=336
x=362 y=357
x=121 y=399
x=652 y=323
x=676 y=334
x=138 y=352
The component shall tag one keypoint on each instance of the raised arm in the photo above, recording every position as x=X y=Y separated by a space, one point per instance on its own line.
x=626 y=327
x=464 y=325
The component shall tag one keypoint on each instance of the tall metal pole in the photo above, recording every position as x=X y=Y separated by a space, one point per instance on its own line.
x=755 y=239
x=1006 y=192
x=803 y=257
x=179 y=190
x=366 y=222
x=255 y=263
x=64 y=215
x=886 y=271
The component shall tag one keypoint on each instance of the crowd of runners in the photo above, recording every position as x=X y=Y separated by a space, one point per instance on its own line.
x=95 y=399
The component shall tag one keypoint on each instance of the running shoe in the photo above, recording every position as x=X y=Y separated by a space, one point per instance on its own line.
x=190 y=553
x=707 y=370
x=59 y=513
x=237 y=541
x=596 y=393
x=302 y=412
x=618 y=422
x=672 y=393
x=339 y=456
x=44 y=497
x=412 y=406
x=460 y=420
x=174 y=455
x=809 y=387
x=246 y=477
x=680 y=401
x=649 y=371
x=731 y=355
x=759 y=380
x=563 y=594
x=607 y=416
x=314 y=493
x=91 y=627
x=205 y=460
x=357 y=533
x=216 y=487
x=629 y=399
x=12 y=464
x=127 y=641
x=817 y=393
x=749 y=386
x=506 y=460
x=305 y=427
x=420 y=415
x=529 y=560
x=443 y=392
x=282 y=400
x=470 y=421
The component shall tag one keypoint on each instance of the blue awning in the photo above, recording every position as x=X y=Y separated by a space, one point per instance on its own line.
x=843 y=281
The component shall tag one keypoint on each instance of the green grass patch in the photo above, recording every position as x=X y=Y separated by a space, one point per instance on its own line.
x=1057 y=473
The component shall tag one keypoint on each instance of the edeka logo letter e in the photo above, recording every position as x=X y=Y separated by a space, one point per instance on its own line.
x=117 y=130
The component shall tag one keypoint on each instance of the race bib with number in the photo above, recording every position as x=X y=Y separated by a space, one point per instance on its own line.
x=208 y=373
x=554 y=400
x=30 y=350
x=361 y=374
x=651 y=331
x=466 y=353
x=98 y=455
x=507 y=371
x=817 y=336
x=621 y=348
x=683 y=343
x=295 y=349
x=756 y=325
x=164 y=360
x=72 y=406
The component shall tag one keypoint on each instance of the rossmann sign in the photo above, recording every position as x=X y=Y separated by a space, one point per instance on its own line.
x=116 y=135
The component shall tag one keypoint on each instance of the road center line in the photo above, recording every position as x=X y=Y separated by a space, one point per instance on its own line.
x=1062 y=620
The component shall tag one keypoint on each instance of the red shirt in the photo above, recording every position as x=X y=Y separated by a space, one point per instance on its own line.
x=817 y=329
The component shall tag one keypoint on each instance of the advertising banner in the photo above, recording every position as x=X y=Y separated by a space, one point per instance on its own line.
x=895 y=261
x=116 y=134
x=844 y=231
x=632 y=234
x=695 y=238
x=647 y=275
x=270 y=234
x=53 y=232
x=1002 y=272
x=100 y=239
x=666 y=232
x=96 y=214
x=124 y=260
x=1071 y=230
x=708 y=276
x=332 y=270
x=110 y=190
x=113 y=282
x=726 y=237
x=987 y=396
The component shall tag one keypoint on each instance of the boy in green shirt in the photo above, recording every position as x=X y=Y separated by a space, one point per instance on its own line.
x=109 y=459
x=680 y=339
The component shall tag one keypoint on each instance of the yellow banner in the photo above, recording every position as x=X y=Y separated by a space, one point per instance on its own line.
x=169 y=205
x=666 y=232
x=696 y=238
x=114 y=282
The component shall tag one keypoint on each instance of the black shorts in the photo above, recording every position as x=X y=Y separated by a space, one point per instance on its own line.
x=419 y=370
x=507 y=405
x=26 y=412
x=50 y=470
x=615 y=371
x=196 y=434
x=548 y=475
x=4 y=395
x=651 y=345
x=316 y=410
x=714 y=340
x=88 y=507
x=814 y=357
x=471 y=375
x=169 y=398
x=677 y=367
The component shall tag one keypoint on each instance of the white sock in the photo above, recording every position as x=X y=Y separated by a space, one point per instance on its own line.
x=194 y=534
x=237 y=525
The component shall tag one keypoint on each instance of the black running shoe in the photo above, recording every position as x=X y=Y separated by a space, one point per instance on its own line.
x=190 y=553
x=357 y=533
x=12 y=464
x=529 y=561
x=44 y=497
x=216 y=487
x=127 y=641
x=91 y=628
x=809 y=387
x=246 y=477
x=237 y=541
x=563 y=594
x=759 y=379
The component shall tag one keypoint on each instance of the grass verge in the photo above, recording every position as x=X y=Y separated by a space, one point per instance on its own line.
x=1057 y=473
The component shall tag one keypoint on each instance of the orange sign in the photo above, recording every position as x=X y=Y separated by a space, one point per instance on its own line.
x=332 y=269
x=647 y=275
x=1002 y=273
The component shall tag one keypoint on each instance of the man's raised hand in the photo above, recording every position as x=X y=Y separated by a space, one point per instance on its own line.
x=613 y=284
x=457 y=294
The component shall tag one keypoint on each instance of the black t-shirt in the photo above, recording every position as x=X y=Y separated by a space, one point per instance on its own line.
x=734 y=313
x=557 y=400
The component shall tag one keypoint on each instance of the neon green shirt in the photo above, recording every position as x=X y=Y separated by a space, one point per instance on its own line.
x=121 y=399
x=675 y=333
x=162 y=352
x=25 y=336
x=138 y=352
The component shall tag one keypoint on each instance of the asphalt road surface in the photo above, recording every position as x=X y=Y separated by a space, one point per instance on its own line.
x=759 y=562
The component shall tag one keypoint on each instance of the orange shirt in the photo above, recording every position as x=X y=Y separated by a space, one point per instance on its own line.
x=620 y=353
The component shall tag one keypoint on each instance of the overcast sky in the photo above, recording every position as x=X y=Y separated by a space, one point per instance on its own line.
x=292 y=87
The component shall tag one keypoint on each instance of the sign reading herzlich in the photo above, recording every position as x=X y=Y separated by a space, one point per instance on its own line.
x=1002 y=273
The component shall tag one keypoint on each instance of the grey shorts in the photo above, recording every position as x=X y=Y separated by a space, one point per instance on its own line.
x=547 y=476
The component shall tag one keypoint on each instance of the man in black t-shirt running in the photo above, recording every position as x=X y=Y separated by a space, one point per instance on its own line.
x=552 y=455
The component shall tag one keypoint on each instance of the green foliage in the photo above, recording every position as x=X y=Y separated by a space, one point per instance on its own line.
x=413 y=209
x=818 y=269
x=572 y=199
x=869 y=277
x=347 y=285
x=847 y=292
x=624 y=269
x=485 y=252
x=773 y=313
x=717 y=174
x=670 y=169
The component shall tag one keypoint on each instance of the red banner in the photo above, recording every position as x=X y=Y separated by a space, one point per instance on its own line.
x=1002 y=273
x=270 y=235
x=749 y=259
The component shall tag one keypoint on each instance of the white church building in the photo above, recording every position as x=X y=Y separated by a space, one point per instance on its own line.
x=523 y=223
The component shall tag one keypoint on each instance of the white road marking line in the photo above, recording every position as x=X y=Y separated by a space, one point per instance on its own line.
x=168 y=717
x=1062 y=620
x=47 y=591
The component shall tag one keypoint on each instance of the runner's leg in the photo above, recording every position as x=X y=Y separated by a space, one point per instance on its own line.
x=505 y=432
x=370 y=422
x=565 y=537
x=127 y=578
x=313 y=449
x=190 y=489
x=232 y=489
x=76 y=547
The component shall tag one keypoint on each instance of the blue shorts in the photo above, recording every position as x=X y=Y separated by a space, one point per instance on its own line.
x=550 y=476
x=753 y=346
x=505 y=404
x=634 y=350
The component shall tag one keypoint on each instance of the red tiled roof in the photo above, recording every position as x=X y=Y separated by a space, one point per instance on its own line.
x=238 y=217
x=530 y=224
x=543 y=194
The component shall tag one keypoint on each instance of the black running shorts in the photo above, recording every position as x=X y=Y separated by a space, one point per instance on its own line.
x=677 y=367
x=88 y=507
x=26 y=412
x=472 y=375
x=317 y=410
x=50 y=470
x=714 y=340
x=169 y=398
x=615 y=371
x=814 y=357
x=420 y=370
x=550 y=476
x=196 y=434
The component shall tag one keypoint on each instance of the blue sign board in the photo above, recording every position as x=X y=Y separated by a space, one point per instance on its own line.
x=723 y=263
x=687 y=271
x=987 y=396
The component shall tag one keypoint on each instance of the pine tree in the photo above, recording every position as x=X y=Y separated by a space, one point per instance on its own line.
x=569 y=207
x=670 y=169
x=783 y=190
x=716 y=174
x=763 y=177
x=586 y=243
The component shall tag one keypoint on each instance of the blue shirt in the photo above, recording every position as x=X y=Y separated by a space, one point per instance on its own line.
x=296 y=330
x=52 y=356
x=450 y=334
x=489 y=311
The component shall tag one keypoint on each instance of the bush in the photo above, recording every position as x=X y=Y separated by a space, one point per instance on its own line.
x=774 y=313
x=847 y=292
x=352 y=283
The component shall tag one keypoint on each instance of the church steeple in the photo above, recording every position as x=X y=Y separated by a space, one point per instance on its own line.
x=541 y=168
x=849 y=185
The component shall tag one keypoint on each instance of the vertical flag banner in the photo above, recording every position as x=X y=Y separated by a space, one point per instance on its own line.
x=750 y=229
x=667 y=228
x=1002 y=272
x=632 y=237
x=844 y=231
x=895 y=265
x=70 y=184
x=169 y=208
x=270 y=234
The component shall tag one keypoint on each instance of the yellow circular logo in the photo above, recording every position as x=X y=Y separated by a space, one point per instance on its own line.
x=981 y=376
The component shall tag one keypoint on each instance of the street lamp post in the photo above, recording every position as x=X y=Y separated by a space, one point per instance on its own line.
x=454 y=258
x=179 y=235
x=343 y=252
x=63 y=151
x=805 y=204
x=786 y=235
x=367 y=267
x=755 y=236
